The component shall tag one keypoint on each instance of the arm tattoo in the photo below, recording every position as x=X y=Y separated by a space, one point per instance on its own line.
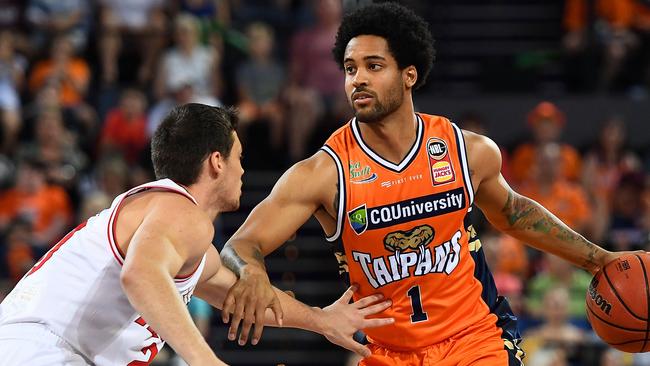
x=524 y=214
x=232 y=260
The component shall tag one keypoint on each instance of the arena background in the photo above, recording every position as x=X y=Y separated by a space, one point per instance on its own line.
x=561 y=86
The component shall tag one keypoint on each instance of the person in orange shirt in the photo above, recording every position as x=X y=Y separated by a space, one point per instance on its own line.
x=46 y=207
x=392 y=189
x=70 y=74
x=546 y=122
x=565 y=199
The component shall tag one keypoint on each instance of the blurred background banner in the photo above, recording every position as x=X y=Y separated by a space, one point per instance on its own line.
x=562 y=86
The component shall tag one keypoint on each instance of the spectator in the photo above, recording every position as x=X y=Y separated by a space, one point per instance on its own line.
x=213 y=17
x=70 y=74
x=189 y=62
x=92 y=204
x=124 y=130
x=20 y=256
x=558 y=273
x=56 y=149
x=626 y=229
x=131 y=25
x=565 y=199
x=603 y=166
x=111 y=176
x=259 y=82
x=12 y=18
x=181 y=92
x=556 y=338
x=46 y=207
x=546 y=121
x=313 y=95
x=51 y=18
x=12 y=74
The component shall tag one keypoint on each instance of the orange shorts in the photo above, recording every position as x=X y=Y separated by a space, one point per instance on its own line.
x=478 y=345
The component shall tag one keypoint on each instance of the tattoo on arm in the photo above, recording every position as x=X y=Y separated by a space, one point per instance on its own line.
x=524 y=214
x=232 y=260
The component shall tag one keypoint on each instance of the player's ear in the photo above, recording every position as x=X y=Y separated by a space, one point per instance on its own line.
x=216 y=163
x=410 y=75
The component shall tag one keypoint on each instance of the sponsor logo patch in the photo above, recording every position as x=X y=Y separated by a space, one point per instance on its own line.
x=361 y=175
x=437 y=148
x=442 y=171
x=364 y=218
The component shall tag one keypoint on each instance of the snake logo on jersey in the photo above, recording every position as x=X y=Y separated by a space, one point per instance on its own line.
x=410 y=256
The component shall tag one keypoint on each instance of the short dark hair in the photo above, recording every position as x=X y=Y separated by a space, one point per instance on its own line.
x=408 y=36
x=185 y=138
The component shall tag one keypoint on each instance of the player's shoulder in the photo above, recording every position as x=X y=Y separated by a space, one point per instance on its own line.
x=308 y=180
x=482 y=143
x=174 y=210
x=317 y=167
x=483 y=153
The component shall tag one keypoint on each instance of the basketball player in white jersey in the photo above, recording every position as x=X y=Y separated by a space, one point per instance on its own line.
x=114 y=290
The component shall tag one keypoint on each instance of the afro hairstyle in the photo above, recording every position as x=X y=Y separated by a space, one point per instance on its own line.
x=409 y=40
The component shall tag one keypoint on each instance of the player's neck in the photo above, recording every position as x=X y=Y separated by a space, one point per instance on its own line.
x=203 y=198
x=392 y=137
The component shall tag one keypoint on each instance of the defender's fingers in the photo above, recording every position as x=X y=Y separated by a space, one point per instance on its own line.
x=357 y=348
x=347 y=295
x=368 y=300
x=376 y=308
x=380 y=322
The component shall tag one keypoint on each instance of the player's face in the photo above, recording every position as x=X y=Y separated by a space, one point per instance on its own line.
x=233 y=172
x=373 y=80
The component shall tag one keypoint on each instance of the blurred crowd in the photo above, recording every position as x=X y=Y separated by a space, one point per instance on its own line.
x=83 y=85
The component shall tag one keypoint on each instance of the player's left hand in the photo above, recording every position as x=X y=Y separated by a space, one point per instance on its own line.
x=342 y=319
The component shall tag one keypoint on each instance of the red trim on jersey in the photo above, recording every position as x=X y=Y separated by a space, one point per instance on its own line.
x=56 y=247
x=187 y=277
x=112 y=221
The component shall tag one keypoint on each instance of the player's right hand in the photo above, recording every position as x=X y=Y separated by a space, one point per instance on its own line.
x=248 y=300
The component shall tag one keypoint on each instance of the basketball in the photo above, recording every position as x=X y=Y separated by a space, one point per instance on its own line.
x=617 y=303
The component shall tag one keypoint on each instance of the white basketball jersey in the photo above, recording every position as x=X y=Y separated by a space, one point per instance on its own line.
x=75 y=291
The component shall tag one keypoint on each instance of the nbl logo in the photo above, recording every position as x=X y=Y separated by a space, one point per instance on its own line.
x=437 y=148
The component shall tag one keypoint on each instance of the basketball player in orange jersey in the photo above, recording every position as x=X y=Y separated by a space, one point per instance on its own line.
x=392 y=190
x=115 y=289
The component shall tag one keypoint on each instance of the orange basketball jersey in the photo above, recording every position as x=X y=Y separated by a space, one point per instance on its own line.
x=403 y=233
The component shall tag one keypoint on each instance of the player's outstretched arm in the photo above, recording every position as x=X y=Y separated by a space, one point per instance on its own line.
x=162 y=247
x=522 y=217
x=337 y=322
x=296 y=196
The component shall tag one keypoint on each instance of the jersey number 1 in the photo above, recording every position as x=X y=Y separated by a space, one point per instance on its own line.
x=418 y=314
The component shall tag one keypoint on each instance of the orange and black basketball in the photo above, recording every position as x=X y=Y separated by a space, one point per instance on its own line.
x=618 y=301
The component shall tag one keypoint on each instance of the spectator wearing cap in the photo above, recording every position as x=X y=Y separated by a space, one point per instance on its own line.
x=546 y=121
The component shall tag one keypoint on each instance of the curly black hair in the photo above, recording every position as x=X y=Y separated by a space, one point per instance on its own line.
x=408 y=36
